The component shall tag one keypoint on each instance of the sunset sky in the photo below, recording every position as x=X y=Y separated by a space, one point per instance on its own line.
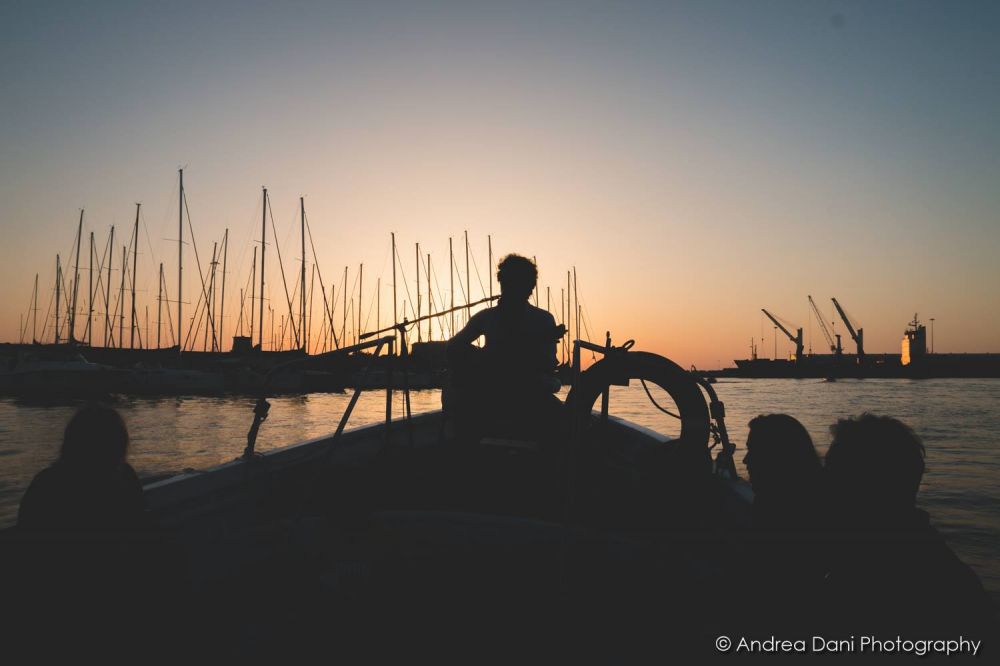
x=695 y=161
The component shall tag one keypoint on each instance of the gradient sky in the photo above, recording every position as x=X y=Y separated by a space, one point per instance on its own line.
x=695 y=161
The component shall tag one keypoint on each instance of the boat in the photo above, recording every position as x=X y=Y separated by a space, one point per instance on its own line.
x=400 y=537
x=63 y=374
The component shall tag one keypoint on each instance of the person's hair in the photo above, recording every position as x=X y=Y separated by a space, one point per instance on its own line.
x=517 y=275
x=877 y=461
x=96 y=436
x=781 y=454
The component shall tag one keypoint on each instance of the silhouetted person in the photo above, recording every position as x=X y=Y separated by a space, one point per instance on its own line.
x=891 y=570
x=90 y=568
x=511 y=380
x=786 y=554
x=91 y=486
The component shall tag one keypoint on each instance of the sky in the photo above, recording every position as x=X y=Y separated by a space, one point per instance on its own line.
x=694 y=161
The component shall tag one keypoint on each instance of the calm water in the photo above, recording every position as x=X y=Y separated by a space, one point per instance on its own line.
x=959 y=421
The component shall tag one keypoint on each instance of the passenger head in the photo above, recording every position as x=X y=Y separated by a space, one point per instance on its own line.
x=780 y=455
x=95 y=437
x=875 y=464
x=517 y=276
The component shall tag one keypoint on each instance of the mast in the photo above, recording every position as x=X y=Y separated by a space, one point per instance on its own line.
x=489 y=243
x=312 y=291
x=419 y=339
x=576 y=299
x=253 y=283
x=210 y=298
x=222 y=303
x=263 y=246
x=89 y=331
x=361 y=282
x=534 y=260
x=135 y=258
x=58 y=280
x=121 y=301
x=343 y=331
x=76 y=281
x=569 y=317
x=378 y=304
x=468 y=284
x=451 y=283
x=395 y=308
x=159 y=306
x=108 y=329
x=302 y=313
x=430 y=302
x=34 y=316
x=180 y=261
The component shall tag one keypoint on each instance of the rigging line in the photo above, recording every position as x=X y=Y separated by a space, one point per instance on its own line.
x=405 y=283
x=204 y=289
x=656 y=404
x=48 y=310
x=277 y=246
x=458 y=274
x=322 y=285
x=482 y=289
x=441 y=322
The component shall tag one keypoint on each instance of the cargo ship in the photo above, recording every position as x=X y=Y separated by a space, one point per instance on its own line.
x=914 y=361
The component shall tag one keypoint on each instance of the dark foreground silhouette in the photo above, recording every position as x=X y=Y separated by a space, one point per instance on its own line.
x=84 y=563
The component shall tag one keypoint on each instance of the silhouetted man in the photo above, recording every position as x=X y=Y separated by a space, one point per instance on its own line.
x=508 y=384
x=889 y=569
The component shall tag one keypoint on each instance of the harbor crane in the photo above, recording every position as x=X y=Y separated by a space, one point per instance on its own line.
x=834 y=347
x=797 y=338
x=857 y=333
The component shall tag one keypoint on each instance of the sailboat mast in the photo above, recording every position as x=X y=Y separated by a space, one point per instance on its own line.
x=489 y=244
x=451 y=283
x=343 y=330
x=180 y=261
x=34 y=316
x=135 y=259
x=395 y=308
x=253 y=286
x=108 y=330
x=302 y=300
x=89 y=332
x=419 y=338
x=430 y=302
x=159 y=306
x=121 y=301
x=263 y=246
x=361 y=300
x=468 y=283
x=222 y=301
x=76 y=281
x=58 y=280
x=576 y=299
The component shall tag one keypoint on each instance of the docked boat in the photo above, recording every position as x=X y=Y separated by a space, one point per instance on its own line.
x=69 y=374
x=403 y=537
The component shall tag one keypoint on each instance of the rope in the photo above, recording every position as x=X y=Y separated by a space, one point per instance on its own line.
x=656 y=404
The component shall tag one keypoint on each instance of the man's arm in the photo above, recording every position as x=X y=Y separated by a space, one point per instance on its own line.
x=464 y=338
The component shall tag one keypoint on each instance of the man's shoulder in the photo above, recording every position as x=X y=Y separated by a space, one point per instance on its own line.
x=541 y=315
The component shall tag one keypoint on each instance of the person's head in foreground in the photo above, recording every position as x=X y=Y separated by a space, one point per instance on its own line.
x=874 y=465
x=95 y=438
x=780 y=457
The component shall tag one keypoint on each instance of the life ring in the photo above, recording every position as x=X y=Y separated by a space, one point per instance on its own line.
x=619 y=365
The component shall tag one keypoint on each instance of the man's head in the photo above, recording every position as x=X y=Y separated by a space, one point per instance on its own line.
x=874 y=464
x=780 y=454
x=517 y=276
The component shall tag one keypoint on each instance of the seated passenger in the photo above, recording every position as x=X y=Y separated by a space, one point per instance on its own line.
x=507 y=385
x=90 y=486
x=786 y=553
x=890 y=569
